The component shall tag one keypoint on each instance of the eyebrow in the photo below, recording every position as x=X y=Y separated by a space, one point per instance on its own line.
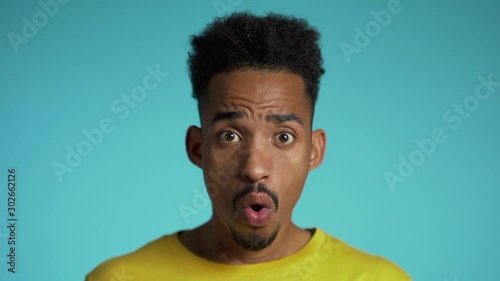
x=227 y=115
x=281 y=118
x=275 y=118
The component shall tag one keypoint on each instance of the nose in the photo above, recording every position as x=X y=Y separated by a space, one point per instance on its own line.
x=255 y=162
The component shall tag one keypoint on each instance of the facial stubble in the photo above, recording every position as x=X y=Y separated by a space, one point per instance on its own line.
x=255 y=242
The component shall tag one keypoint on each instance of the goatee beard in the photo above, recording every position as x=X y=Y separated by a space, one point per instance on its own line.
x=254 y=242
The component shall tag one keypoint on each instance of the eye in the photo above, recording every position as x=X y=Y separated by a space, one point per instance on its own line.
x=228 y=136
x=284 y=138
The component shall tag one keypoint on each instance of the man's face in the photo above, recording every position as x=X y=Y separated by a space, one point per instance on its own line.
x=256 y=148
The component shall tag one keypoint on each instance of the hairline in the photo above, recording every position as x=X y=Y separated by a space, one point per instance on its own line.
x=264 y=69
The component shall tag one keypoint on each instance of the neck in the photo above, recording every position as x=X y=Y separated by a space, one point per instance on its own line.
x=213 y=242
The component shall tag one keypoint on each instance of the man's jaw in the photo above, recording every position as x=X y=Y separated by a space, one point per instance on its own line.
x=255 y=240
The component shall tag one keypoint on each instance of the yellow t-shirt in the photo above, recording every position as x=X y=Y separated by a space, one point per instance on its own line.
x=322 y=258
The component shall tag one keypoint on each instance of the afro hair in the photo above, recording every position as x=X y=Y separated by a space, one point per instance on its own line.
x=243 y=40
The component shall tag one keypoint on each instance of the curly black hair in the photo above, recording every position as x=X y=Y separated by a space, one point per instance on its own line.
x=243 y=40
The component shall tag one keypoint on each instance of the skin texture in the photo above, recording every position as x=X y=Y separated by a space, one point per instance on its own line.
x=263 y=145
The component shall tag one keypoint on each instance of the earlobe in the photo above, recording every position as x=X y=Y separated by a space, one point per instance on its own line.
x=318 y=147
x=193 y=145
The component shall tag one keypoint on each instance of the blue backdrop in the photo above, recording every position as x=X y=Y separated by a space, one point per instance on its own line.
x=410 y=103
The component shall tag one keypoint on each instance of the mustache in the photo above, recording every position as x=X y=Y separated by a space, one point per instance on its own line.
x=257 y=188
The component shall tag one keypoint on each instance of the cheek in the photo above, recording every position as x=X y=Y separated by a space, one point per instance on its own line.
x=295 y=162
x=213 y=159
x=292 y=174
x=217 y=177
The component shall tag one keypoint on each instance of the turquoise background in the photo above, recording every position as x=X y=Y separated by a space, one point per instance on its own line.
x=441 y=223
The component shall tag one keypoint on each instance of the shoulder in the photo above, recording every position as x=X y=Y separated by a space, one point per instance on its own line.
x=361 y=264
x=113 y=269
x=126 y=267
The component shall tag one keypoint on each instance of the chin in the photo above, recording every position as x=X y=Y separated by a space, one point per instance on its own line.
x=256 y=239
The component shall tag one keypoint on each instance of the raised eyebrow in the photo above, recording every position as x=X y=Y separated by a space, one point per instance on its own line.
x=226 y=115
x=281 y=118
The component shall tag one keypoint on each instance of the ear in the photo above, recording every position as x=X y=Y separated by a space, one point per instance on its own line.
x=193 y=145
x=318 y=146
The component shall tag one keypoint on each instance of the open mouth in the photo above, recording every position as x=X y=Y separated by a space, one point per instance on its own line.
x=257 y=215
x=256 y=207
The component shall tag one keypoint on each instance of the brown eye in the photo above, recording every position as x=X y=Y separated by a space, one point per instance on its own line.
x=285 y=138
x=228 y=136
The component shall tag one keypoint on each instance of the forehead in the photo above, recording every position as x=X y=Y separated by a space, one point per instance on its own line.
x=253 y=91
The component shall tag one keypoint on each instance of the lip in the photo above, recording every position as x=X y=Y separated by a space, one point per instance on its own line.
x=256 y=198
x=260 y=217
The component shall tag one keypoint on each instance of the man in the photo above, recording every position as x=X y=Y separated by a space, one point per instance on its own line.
x=256 y=81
